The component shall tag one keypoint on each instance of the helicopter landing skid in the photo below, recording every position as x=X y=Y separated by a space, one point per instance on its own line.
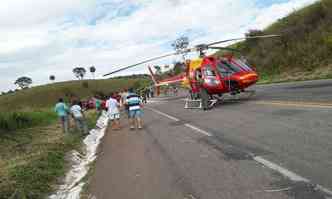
x=243 y=95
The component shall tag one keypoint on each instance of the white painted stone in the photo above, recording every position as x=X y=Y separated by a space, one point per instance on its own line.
x=73 y=185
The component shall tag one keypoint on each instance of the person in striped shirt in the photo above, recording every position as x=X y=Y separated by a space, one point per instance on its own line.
x=134 y=103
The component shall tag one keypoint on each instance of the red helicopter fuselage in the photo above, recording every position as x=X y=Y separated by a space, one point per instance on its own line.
x=223 y=75
x=216 y=75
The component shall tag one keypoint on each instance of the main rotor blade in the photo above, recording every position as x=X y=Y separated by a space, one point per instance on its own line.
x=235 y=39
x=142 y=62
x=223 y=48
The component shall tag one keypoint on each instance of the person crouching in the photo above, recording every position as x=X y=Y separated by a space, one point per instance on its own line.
x=79 y=117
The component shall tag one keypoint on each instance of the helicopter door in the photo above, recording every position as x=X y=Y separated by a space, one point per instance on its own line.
x=210 y=76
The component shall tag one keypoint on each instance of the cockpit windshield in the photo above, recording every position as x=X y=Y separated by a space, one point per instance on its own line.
x=209 y=72
x=226 y=68
x=243 y=64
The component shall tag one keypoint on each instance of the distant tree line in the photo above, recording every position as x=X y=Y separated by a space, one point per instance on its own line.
x=24 y=82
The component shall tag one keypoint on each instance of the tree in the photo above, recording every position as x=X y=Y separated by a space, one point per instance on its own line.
x=181 y=43
x=23 y=82
x=79 y=72
x=92 y=71
x=52 y=78
x=179 y=67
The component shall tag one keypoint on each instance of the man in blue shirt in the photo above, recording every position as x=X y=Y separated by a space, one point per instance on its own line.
x=62 y=111
x=134 y=104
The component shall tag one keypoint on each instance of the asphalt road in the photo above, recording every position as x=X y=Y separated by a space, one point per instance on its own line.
x=222 y=153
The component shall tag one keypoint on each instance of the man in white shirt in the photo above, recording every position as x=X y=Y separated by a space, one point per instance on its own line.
x=112 y=106
x=78 y=115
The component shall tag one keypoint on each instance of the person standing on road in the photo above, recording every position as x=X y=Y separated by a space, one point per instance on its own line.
x=151 y=93
x=79 y=118
x=62 y=111
x=176 y=91
x=143 y=96
x=112 y=106
x=134 y=104
x=203 y=94
x=147 y=92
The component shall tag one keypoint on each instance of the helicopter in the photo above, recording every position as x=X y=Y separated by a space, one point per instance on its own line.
x=208 y=77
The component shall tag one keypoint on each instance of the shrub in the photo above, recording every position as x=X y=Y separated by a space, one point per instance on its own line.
x=10 y=121
x=328 y=41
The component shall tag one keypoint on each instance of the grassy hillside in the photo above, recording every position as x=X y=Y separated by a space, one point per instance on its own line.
x=33 y=147
x=303 y=52
x=46 y=95
x=33 y=155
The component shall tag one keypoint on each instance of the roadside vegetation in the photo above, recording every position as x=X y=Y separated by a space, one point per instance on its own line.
x=302 y=52
x=10 y=121
x=33 y=148
x=33 y=155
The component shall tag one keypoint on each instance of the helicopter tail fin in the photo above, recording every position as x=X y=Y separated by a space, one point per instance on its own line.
x=153 y=77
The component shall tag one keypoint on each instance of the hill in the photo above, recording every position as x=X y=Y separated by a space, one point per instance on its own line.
x=304 y=50
x=45 y=96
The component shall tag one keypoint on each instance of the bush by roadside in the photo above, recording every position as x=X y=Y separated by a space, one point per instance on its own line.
x=33 y=155
x=10 y=121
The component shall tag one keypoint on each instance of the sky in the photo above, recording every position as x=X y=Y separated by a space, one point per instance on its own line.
x=40 y=38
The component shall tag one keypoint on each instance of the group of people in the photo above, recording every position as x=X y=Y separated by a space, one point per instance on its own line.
x=130 y=103
x=127 y=102
x=75 y=111
x=146 y=94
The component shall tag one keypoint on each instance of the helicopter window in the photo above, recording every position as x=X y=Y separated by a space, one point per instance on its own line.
x=209 y=72
x=226 y=68
x=243 y=64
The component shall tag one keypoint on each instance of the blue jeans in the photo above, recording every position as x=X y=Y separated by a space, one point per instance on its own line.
x=81 y=125
x=64 y=120
x=135 y=113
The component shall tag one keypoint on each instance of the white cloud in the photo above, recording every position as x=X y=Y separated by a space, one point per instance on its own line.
x=18 y=13
x=277 y=11
x=39 y=37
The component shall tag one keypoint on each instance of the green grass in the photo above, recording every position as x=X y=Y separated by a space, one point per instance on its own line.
x=33 y=179
x=32 y=146
x=10 y=121
x=32 y=160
